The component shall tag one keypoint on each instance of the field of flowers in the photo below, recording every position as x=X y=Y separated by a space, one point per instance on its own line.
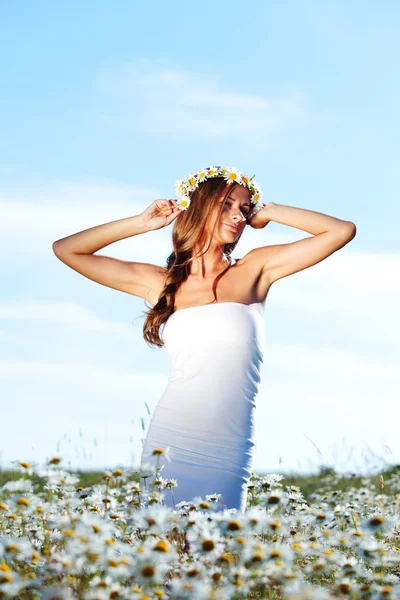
x=114 y=539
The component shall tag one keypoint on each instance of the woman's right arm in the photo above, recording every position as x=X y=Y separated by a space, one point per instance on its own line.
x=136 y=278
x=94 y=239
x=139 y=279
x=77 y=252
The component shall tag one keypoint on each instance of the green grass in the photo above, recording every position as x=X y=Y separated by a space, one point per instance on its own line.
x=308 y=484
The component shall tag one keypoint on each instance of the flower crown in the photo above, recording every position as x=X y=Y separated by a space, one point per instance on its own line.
x=231 y=175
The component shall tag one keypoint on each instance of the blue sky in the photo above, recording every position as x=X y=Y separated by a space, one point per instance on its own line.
x=103 y=106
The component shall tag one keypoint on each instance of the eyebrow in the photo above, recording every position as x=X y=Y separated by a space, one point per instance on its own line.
x=245 y=204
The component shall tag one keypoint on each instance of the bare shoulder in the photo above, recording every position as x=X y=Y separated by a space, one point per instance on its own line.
x=255 y=262
x=251 y=269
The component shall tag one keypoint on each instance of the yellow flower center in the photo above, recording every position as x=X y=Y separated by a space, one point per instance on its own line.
x=376 y=520
x=161 y=546
x=5 y=567
x=55 y=460
x=158 y=451
x=69 y=533
x=113 y=563
x=234 y=526
x=208 y=545
x=93 y=557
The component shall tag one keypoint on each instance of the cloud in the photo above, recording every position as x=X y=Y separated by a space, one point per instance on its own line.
x=34 y=217
x=171 y=101
x=354 y=288
x=63 y=313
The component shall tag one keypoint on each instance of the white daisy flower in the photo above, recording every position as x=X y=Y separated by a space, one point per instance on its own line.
x=191 y=182
x=149 y=569
x=20 y=485
x=245 y=179
x=232 y=175
x=57 y=592
x=184 y=202
x=179 y=186
x=202 y=175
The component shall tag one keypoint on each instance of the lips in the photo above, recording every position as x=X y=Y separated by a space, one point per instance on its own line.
x=231 y=226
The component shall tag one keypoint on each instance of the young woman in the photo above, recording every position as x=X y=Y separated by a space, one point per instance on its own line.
x=211 y=310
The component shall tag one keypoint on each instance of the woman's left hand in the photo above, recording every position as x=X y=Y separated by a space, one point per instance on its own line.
x=260 y=219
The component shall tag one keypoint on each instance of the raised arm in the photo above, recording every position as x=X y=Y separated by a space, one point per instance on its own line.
x=281 y=260
x=139 y=279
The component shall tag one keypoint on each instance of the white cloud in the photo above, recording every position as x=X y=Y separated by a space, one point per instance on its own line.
x=163 y=100
x=63 y=313
x=34 y=217
x=355 y=292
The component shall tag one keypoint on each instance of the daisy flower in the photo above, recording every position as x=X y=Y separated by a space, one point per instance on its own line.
x=183 y=202
x=202 y=175
x=232 y=175
x=191 y=182
x=179 y=187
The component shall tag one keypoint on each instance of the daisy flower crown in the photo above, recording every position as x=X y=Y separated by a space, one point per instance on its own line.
x=231 y=175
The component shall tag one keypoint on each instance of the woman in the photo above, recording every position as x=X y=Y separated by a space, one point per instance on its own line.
x=211 y=310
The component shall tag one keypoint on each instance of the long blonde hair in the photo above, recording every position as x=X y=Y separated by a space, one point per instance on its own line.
x=188 y=232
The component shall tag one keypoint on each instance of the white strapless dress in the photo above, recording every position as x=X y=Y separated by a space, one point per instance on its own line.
x=206 y=415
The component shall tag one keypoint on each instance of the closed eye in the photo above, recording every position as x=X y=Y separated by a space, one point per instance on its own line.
x=244 y=210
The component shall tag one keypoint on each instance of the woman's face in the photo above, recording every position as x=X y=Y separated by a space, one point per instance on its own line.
x=234 y=214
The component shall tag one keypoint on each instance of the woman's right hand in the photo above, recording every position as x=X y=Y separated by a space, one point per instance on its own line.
x=160 y=213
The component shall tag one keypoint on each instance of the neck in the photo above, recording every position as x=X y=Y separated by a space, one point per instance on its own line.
x=209 y=265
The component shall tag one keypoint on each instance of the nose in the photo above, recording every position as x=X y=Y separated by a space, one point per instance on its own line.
x=238 y=216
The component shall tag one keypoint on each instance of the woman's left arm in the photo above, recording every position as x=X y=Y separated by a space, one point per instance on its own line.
x=281 y=260
x=301 y=218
